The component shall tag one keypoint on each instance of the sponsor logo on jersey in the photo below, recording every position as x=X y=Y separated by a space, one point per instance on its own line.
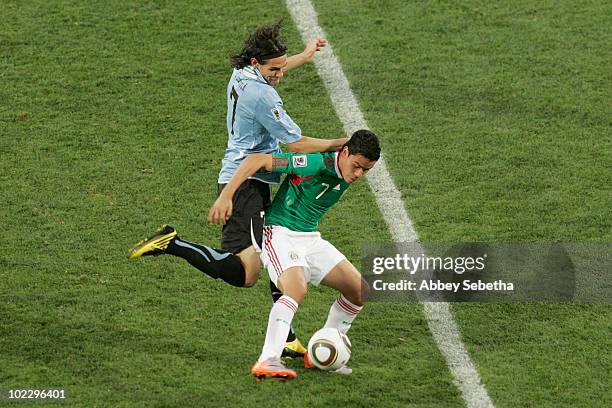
x=276 y=112
x=294 y=256
x=300 y=161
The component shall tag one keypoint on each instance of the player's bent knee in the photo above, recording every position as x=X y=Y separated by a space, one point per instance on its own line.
x=297 y=294
x=364 y=292
x=251 y=275
x=293 y=283
x=358 y=294
x=252 y=266
x=251 y=280
x=297 y=291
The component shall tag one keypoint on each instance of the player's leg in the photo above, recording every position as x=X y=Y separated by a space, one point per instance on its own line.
x=331 y=268
x=244 y=227
x=236 y=263
x=285 y=266
x=345 y=278
x=293 y=284
x=293 y=346
x=353 y=292
x=249 y=258
x=239 y=270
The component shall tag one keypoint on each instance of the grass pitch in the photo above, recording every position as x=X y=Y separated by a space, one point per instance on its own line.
x=495 y=126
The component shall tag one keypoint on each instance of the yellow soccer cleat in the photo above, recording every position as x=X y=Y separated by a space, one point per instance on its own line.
x=294 y=349
x=154 y=245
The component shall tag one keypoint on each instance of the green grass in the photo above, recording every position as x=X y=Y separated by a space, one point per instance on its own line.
x=495 y=125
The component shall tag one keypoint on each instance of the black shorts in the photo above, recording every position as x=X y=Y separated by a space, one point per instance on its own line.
x=249 y=204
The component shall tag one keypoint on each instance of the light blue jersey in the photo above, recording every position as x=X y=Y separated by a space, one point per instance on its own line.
x=256 y=123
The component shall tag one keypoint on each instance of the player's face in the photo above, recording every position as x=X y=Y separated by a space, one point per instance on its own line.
x=272 y=70
x=353 y=166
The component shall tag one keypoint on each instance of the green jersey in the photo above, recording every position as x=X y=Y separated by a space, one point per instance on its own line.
x=312 y=186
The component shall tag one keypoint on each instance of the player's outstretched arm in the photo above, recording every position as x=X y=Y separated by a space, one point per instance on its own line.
x=221 y=210
x=307 y=55
x=313 y=145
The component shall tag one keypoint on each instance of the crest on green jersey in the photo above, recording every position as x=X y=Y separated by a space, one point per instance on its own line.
x=300 y=161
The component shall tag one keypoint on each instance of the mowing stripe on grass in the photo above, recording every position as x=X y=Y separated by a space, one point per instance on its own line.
x=439 y=317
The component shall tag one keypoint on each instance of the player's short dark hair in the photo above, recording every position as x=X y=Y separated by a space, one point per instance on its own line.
x=365 y=143
x=263 y=44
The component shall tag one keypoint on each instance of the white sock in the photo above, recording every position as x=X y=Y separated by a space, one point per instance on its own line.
x=279 y=323
x=341 y=314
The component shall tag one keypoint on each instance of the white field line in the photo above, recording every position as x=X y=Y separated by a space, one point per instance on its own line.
x=438 y=314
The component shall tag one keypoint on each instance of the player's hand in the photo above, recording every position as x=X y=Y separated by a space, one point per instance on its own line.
x=313 y=46
x=220 y=211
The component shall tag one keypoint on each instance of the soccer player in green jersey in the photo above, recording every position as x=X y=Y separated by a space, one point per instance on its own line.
x=293 y=251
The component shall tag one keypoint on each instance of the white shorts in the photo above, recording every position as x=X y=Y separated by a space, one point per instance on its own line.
x=284 y=249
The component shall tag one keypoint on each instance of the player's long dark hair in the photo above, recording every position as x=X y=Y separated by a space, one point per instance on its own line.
x=365 y=143
x=264 y=44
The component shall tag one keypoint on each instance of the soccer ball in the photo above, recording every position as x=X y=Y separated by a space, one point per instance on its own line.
x=329 y=349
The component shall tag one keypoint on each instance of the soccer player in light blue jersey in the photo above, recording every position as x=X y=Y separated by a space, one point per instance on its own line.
x=257 y=122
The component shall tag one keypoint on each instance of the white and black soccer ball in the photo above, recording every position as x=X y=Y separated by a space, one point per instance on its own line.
x=329 y=349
